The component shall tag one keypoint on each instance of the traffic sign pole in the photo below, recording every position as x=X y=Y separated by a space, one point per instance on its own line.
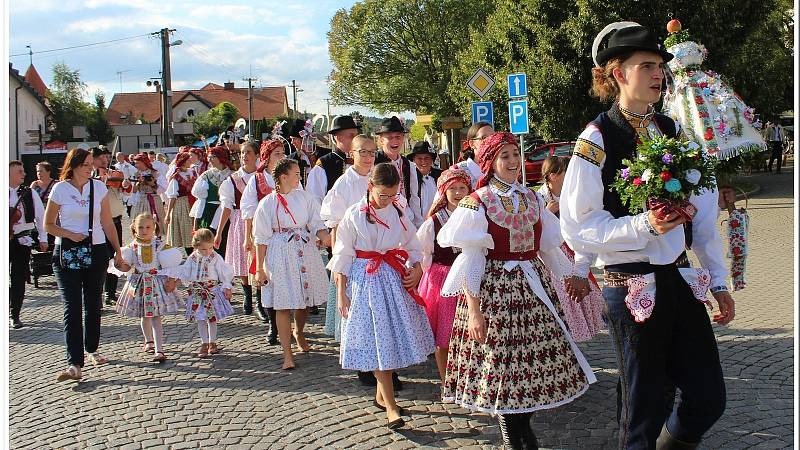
x=522 y=155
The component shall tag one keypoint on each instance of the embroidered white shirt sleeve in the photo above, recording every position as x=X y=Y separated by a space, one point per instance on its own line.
x=317 y=183
x=466 y=229
x=426 y=237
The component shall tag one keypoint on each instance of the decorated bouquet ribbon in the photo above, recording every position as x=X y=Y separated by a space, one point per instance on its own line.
x=396 y=258
x=641 y=298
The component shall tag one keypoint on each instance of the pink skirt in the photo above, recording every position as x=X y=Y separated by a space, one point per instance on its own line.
x=440 y=310
x=234 y=251
x=584 y=319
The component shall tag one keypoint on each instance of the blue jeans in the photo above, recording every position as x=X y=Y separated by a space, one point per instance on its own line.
x=676 y=346
x=82 y=294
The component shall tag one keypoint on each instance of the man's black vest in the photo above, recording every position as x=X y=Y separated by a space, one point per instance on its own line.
x=619 y=142
x=434 y=174
x=382 y=158
x=333 y=165
x=26 y=195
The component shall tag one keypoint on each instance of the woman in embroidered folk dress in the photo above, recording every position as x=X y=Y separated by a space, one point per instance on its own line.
x=377 y=260
x=179 y=224
x=230 y=196
x=584 y=317
x=510 y=352
x=210 y=281
x=147 y=295
x=453 y=185
x=206 y=210
x=148 y=184
x=287 y=224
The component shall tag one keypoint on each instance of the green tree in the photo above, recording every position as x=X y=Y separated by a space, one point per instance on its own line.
x=98 y=127
x=551 y=42
x=216 y=120
x=396 y=55
x=66 y=101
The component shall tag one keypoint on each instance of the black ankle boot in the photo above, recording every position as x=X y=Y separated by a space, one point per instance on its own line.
x=529 y=440
x=665 y=441
x=261 y=313
x=247 y=307
x=510 y=432
x=272 y=337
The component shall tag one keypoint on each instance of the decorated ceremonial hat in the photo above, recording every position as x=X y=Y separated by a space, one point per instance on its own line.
x=390 y=125
x=297 y=127
x=343 y=123
x=625 y=37
x=422 y=148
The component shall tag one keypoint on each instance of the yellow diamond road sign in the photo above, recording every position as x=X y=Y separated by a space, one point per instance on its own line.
x=481 y=83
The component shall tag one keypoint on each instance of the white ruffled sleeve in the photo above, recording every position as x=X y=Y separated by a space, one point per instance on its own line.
x=224 y=272
x=182 y=272
x=411 y=244
x=550 y=243
x=426 y=237
x=161 y=184
x=467 y=230
x=200 y=192
x=262 y=220
x=333 y=207
x=249 y=201
x=128 y=256
x=315 y=222
x=583 y=264
x=344 y=250
x=172 y=189
x=317 y=183
x=226 y=194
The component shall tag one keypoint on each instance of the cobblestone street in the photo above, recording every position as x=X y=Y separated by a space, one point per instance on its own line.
x=242 y=399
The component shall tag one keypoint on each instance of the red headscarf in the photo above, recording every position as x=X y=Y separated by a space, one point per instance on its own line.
x=447 y=179
x=267 y=147
x=143 y=158
x=180 y=160
x=199 y=152
x=221 y=153
x=184 y=149
x=490 y=148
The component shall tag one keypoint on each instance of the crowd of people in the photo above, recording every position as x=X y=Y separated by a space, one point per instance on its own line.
x=467 y=263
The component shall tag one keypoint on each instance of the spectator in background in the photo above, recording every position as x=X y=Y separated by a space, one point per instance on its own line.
x=775 y=140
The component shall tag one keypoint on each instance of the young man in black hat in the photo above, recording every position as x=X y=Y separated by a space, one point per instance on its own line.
x=675 y=346
x=330 y=167
x=307 y=156
x=392 y=133
x=423 y=157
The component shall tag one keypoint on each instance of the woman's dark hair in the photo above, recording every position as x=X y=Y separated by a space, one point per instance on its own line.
x=74 y=159
x=252 y=146
x=46 y=166
x=282 y=168
x=384 y=175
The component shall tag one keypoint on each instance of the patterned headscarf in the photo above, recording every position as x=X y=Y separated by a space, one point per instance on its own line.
x=143 y=158
x=490 y=148
x=180 y=160
x=446 y=179
x=221 y=153
x=267 y=147
x=184 y=149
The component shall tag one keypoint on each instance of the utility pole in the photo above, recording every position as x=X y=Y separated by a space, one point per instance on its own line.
x=119 y=73
x=250 y=80
x=166 y=84
x=295 y=90
x=30 y=53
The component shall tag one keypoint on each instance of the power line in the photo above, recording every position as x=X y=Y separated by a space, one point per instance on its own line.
x=82 y=45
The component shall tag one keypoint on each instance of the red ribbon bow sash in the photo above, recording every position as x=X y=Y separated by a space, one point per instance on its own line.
x=397 y=259
x=370 y=210
x=282 y=202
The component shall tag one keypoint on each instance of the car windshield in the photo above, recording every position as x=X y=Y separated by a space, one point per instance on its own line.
x=564 y=150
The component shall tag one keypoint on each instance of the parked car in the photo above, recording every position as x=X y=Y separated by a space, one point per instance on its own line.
x=535 y=159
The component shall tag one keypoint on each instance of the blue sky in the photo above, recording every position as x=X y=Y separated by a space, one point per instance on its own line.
x=282 y=40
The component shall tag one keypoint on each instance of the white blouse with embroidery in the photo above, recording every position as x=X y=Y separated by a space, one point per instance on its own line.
x=346 y=191
x=200 y=192
x=191 y=270
x=270 y=215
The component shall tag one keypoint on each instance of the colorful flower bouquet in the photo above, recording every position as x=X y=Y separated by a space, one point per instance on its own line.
x=663 y=177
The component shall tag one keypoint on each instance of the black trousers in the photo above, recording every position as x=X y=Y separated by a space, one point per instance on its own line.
x=81 y=291
x=20 y=259
x=111 y=279
x=777 y=153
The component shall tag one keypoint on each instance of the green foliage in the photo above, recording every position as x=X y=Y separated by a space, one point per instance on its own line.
x=66 y=102
x=417 y=132
x=677 y=38
x=665 y=169
x=397 y=55
x=216 y=120
x=98 y=127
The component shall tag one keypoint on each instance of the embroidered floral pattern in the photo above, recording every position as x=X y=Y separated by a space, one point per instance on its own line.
x=521 y=224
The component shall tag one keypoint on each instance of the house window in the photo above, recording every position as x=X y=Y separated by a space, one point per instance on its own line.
x=190 y=112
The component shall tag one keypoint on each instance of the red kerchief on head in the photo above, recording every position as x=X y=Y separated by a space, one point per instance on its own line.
x=446 y=179
x=490 y=148
x=143 y=158
x=221 y=153
x=267 y=147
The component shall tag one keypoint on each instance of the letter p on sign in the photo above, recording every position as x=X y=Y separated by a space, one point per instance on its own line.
x=518 y=116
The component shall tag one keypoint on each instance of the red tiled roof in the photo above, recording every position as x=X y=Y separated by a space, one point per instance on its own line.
x=33 y=78
x=268 y=102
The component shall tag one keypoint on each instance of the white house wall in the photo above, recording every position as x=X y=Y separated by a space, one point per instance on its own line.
x=30 y=115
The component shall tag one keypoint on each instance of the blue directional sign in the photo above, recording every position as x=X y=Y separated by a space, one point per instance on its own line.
x=483 y=112
x=518 y=116
x=517 y=85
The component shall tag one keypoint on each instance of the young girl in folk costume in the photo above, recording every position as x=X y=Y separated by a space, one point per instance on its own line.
x=510 y=352
x=146 y=294
x=257 y=188
x=210 y=280
x=206 y=210
x=288 y=261
x=584 y=317
x=147 y=185
x=453 y=185
x=230 y=196
x=178 y=193
x=377 y=260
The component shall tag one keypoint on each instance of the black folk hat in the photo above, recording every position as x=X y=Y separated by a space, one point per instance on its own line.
x=343 y=123
x=632 y=38
x=422 y=148
x=294 y=128
x=391 y=124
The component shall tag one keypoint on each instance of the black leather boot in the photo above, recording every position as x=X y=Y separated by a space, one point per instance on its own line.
x=272 y=337
x=261 y=313
x=665 y=441
x=247 y=307
x=510 y=432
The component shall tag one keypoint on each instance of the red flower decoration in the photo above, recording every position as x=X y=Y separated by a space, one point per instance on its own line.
x=699 y=100
x=709 y=135
x=666 y=176
x=212 y=319
x=194 y=307
x=637 y=181
x=737 y=251
x=735 y=223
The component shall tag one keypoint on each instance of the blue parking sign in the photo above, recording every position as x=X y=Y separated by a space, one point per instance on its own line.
x=518 y=116
x=483 y=112
x=517 y=85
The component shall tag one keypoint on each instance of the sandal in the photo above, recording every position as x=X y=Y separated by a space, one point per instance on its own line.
x=149 y=347
x=212 y=348
x=96 y=358
x=159 y=357
x=72 y=373
x=203 y=351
